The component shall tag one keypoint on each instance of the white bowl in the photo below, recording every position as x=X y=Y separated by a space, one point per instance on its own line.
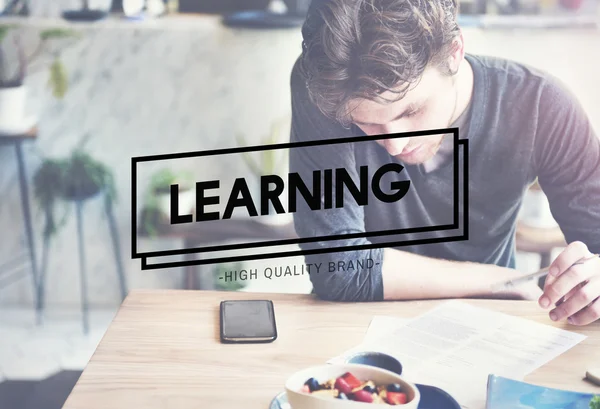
x=300 y=400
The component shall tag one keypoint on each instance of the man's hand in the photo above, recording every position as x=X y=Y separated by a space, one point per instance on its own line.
x=529 y=291
x=575 y=291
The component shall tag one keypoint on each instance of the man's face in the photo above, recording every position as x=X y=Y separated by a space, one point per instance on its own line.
x=428 y=105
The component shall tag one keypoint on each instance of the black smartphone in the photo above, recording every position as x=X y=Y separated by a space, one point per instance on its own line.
x=248 y=321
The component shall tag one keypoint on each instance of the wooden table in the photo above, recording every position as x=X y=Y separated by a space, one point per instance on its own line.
x=162 y=350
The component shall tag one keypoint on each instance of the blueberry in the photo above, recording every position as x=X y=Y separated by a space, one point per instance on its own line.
x=394 y=387
x=369 y=389
x=342 y=396
x=312 y=384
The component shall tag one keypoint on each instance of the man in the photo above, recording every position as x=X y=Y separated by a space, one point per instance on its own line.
x=378 y=67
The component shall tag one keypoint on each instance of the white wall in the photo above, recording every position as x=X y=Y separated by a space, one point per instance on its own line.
x=141 y=90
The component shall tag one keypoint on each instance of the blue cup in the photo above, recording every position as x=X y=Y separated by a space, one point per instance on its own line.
x=376 y=359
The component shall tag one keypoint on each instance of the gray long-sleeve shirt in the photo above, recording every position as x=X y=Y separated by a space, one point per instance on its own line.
x=522 y=124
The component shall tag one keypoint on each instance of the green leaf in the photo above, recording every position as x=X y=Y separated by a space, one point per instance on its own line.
x=166 y=177
x=4 y=29
x=58 y=80
x=58 y=33
x=48 y=183
x=272 y=161
x=229 y=285
x=55 y=176
x=268 y=161
x=595 y=402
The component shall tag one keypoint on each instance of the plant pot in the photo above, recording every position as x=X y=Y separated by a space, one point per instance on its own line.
x=187 y=201
x=12 y=110
x=81 y=192
x=151 y=221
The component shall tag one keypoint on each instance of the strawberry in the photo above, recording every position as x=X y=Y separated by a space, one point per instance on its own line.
x=363 y=396
x=396 y=398
x=351 y=380
x=342 y=386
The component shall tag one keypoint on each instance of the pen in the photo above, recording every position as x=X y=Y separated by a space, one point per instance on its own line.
x=542 y=273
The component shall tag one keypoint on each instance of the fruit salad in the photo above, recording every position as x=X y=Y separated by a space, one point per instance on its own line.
x=349 y=387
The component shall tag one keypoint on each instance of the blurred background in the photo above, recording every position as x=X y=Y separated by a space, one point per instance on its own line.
x=87 y=85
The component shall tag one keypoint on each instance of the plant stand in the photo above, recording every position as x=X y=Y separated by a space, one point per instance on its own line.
x=79 y=204
x=17 y=141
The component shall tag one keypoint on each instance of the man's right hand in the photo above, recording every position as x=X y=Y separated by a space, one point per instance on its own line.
x=527 y=292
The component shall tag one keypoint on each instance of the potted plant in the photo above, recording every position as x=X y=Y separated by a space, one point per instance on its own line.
x=270 y=162
x=157 y=204
x=75 y=178
x=16 y=64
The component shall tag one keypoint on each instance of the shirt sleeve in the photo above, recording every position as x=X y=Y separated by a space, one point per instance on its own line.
x=335 y=280
x=567 y=157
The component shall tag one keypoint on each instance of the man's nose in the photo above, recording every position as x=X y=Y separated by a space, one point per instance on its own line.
x=394 y=128
x=394 y=146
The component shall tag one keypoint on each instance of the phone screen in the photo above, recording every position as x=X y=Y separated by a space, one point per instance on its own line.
x=248 y=321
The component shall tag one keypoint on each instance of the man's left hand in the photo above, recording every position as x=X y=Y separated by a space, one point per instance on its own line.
x=574 y=291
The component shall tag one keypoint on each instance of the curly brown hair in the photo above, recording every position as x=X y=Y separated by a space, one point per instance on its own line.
x=363 y=48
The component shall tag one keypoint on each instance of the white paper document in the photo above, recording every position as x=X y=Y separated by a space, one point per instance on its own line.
x=382 y=325
x=455 y=346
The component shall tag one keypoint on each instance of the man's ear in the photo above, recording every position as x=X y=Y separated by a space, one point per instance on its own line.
x=457 y=53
